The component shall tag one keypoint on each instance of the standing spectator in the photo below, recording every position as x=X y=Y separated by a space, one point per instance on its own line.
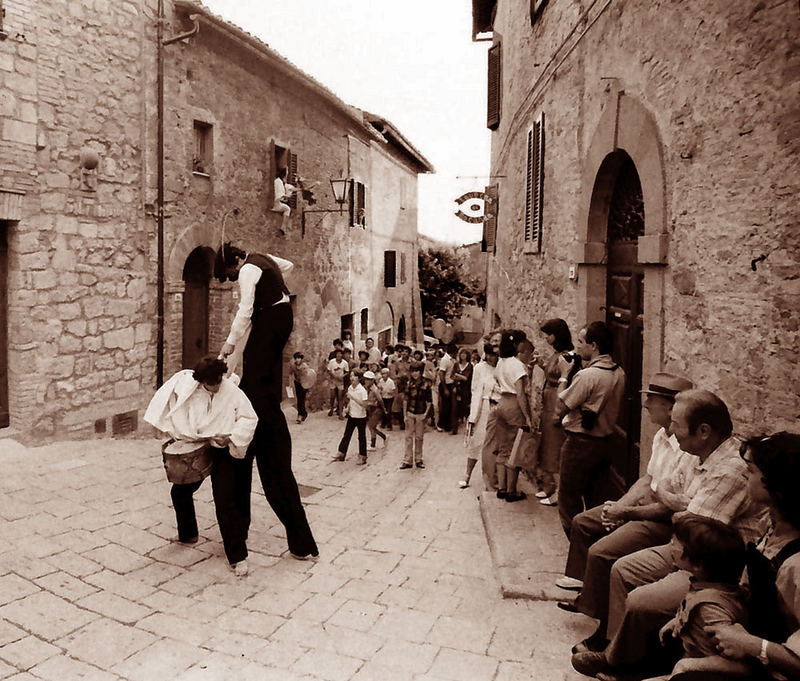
x=363 y=360
x=401 y=371
x=475 y=357
x=388 y=356
x=347 y=340
x=373 y=354
x=337 y=368
x=388 y=392
x=356 y=409
x=429 y=374
x=446 y=364
x=462 y=390
x=337 y=345
x=299 y=372
x=418 y=356
x=552 y=435
x=481 y=389
x=416 y=405
x=375 y=409
x=589 y=407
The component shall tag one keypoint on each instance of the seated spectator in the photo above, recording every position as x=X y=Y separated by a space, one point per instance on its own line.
x=639 y=519
x=646 y=587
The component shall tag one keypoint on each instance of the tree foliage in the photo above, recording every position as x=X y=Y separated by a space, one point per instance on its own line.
x=444 y=286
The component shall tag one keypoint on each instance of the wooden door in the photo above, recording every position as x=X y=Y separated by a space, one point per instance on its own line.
x=196 y=275
x=625 y=312
x=4 y=408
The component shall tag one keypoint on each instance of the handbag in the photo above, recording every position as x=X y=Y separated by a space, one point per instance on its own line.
x=525 y=451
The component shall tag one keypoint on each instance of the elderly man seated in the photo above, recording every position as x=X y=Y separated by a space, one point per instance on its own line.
x=641 y=518
x=646 y=587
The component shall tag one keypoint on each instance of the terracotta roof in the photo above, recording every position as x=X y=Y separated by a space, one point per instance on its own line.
x=361 y=118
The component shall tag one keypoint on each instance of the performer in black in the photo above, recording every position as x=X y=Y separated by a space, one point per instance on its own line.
x=260 y=330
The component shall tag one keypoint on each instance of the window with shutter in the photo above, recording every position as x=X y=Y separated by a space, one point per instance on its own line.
x=493 y=93
x=534 y=187
x=402 y=267
x=358 y=204
x=491 y=206
x=390 y=269
x=291 y=178
x=203 y=148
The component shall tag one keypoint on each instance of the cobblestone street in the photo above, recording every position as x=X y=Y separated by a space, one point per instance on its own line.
x=92 y=588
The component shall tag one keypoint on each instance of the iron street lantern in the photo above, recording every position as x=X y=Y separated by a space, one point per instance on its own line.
x=339 y=189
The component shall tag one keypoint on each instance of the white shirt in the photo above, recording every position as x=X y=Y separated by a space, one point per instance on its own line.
x=249 y=276
x=355 y=410
x=483 y=383
x=185 y=410
x=509 y=371
x=387 y=387
x=282 y=189
x=670 y=467
x=446 y=364
x=338 y=369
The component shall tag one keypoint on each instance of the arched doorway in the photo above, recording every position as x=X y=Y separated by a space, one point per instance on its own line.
x=618 y=180
x=197 y=273
x=401 y=329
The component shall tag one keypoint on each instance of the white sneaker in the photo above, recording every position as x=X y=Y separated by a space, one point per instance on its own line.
x=550 y=501
x=463 y=484
x=569 y=583
x=240 y=569
x=541 y=494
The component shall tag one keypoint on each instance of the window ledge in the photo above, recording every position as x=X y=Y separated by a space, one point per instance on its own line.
x=199 y=174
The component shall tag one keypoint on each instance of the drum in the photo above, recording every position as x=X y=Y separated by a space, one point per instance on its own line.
x=187 y=462
x=308 y=378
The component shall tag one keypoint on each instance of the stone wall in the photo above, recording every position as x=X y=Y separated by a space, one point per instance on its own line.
x=80 y=296
x=719 y=85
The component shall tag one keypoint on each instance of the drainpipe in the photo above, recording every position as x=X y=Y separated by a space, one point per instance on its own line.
x=160 y=195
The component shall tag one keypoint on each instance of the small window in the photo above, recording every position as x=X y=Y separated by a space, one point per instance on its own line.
x=364 y=323
x=390 y=269
x=536 y=9
x=534 y=188
x=494 y=88
x=347 y=325
x=358 y=204
x=203 y=159
x=402 y=267
x=284 y=158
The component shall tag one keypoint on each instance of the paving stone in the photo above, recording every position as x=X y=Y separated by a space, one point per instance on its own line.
x=104 y=643
x=361 y=590
x=10 y=632
x=131 y=537
x=46 y=615
x=372 y=670
x=161 y=660
x=125 y=586
x=117 y=558
x=235 y=643
x=357 y=615
x=156 y=574
x=73 y=563
x=403 y=596
x=178 y=628
x=249 y=622
x=404 y=624
x=279 y=654
x=27 y=652
x=65 y=585
x=328 y=665
x=219 y=666
x=115 y=607
x=406 y=656
x=319 y=608
x=461 y=634
x=458 y=665
x=9 y=672
x=13 y=587
x=277 y=602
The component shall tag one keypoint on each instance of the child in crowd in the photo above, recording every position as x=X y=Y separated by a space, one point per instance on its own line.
x=337 y=368
x=388 y=391
x=363 y=360
x=337 y=345
x=356 y=410
x=375 y=409
x=416 y=405
x=347 y=341
x=715 y=555
x=300 y=372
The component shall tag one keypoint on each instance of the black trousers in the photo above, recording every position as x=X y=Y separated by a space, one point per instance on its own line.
x=271 y=448
x=229 y=518
x=351 y=425
x=300 y=392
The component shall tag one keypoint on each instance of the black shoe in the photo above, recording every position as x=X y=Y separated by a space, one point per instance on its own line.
x=590 y=664
x=403 y=466
x=420 y=464
x=596 y=643
x=515 y=497
x=501 y=494
x=568 y=606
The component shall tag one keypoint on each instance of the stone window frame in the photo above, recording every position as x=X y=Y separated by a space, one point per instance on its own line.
x=534 y=185
x=537 y=7
x=203 y=153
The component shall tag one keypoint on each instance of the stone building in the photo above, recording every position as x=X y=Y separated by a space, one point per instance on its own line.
x=646 y=157
x=82 y=230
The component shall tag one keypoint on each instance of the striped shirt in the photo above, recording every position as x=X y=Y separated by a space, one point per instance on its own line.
x=719 y=491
